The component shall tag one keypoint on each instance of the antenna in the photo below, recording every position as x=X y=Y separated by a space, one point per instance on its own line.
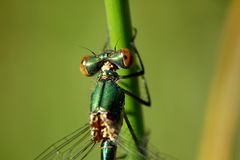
x=116 y=44
x=88 y=50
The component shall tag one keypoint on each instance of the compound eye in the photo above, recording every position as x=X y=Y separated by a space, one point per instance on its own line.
x=127 y=57
x=90 y=65
x=83 y=66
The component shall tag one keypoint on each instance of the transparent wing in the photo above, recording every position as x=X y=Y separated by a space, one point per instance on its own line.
x=127 y=149
x=76 y=145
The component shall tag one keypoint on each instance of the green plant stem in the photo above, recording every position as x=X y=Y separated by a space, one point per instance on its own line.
x=120 y=32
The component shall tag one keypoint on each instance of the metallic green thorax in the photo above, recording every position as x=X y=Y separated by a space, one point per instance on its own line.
x=108 y=96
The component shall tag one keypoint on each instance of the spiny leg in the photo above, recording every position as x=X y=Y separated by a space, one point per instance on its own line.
x=146 y=102
x=137 y=74
x=142 y=71
x=140 y=149
x=140 y=100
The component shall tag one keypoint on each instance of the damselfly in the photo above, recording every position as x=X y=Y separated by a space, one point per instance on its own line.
x=106 y=110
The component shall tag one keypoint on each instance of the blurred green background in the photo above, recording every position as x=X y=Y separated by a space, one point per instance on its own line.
x=43 y=96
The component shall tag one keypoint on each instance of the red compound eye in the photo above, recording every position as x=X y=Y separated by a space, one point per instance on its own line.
x=127 y=57
x=83 y=68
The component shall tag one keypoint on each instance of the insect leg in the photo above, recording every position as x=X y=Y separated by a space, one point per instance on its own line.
x=140 y=100
x=140 y=149
x=136 y=74
x=142 y=71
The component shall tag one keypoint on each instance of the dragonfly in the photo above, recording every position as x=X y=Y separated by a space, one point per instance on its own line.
x=107 y=112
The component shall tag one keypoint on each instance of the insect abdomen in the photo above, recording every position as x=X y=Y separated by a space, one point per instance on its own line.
x=109 y=149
